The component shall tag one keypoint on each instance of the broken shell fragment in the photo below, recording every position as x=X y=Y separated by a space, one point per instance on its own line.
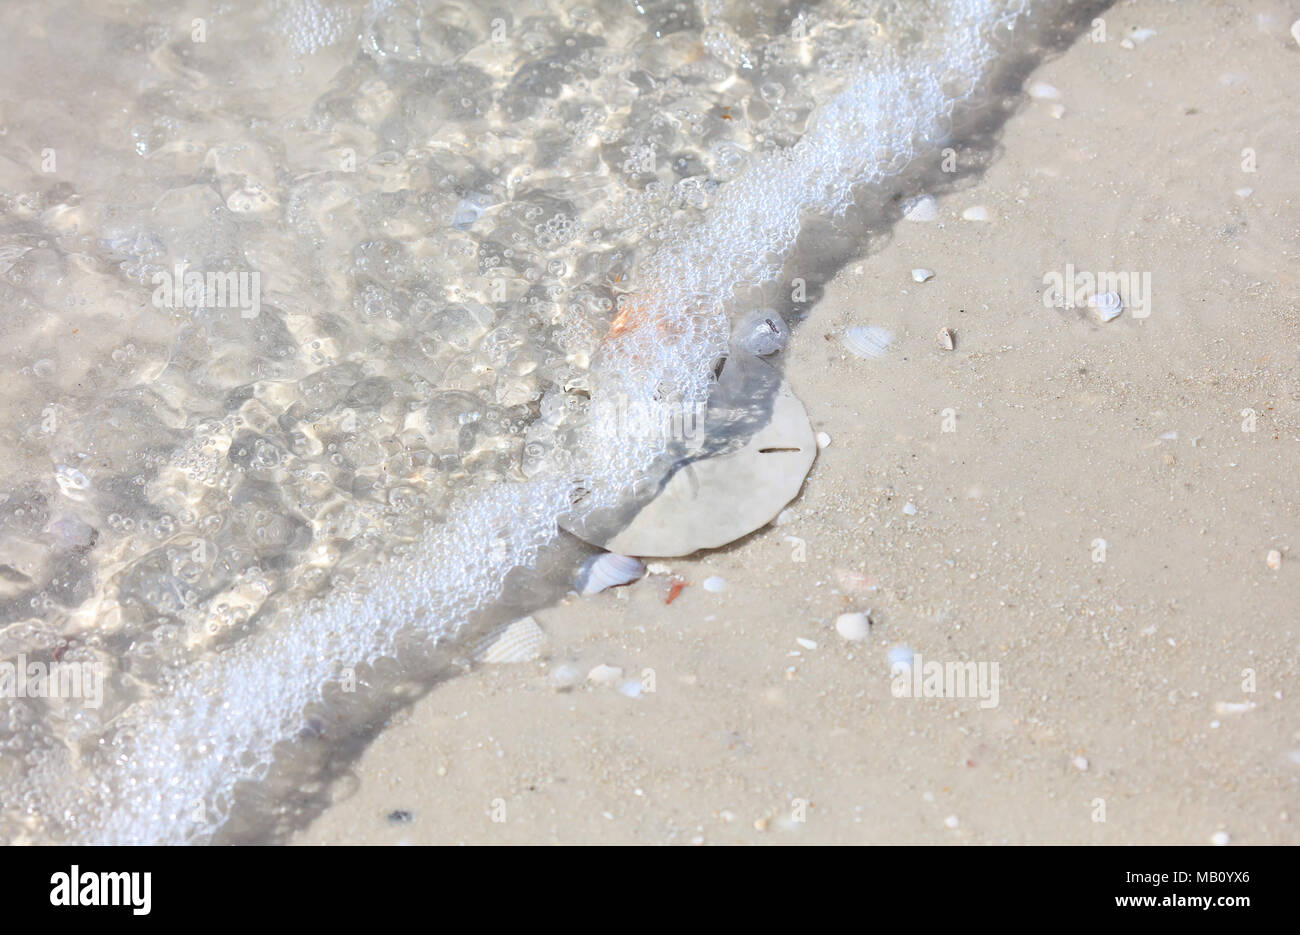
x=921 y=208
x=761 y=332
x=607 y=570
x=605 y=675
x=521 y=641
x=922 y=275
x=1106 y=305
x=947 y=339
x=867 y=341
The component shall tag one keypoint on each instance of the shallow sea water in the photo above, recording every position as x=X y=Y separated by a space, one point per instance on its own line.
x=259 y=517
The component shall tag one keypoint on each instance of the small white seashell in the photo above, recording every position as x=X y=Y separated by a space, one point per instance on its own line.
x=521 y=641
x=823 y=440
x=854 y=582
x=607 y=570
x=909 y=508
x=1295 y=31
x=1273 y=559
x=921 y=208
x=565 y=676
x=1140 y=36
x=922 y=275
x=1232 y=707
x=951 y=821
x=1106 y=305
x=947 y=339
x=631 y=688
x=853 y=627
x=1219 y=839
x=900 y=657
x=975 y=213
x=1245 y=192
x=714 y=585
x=806 y=643
x=469 y=210
x=1080 y=763
x=868 y=341
x=604 y=675
x=71 y=482
x=1043 y=91
x=761 y=332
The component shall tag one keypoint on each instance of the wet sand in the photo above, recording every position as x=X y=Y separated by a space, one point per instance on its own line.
x=1123 y=714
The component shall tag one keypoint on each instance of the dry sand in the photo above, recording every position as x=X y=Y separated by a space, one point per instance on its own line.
x=1109 y=671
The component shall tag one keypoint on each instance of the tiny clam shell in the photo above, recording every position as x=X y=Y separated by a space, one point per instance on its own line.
x=868 y=341
x=608 y=570
x=853 y=627
x=761 y=332
x=521 y=641
x=1106 y=305
x=947 y=339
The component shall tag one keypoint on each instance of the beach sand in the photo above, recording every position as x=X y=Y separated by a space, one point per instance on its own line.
x=1124 y=712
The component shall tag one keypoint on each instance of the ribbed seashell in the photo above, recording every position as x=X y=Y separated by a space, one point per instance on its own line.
x=1107 y=305
x=868 y=341
x=608 y=570
x=521 y=641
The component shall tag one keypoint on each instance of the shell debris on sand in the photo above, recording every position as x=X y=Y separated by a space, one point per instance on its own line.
x=1274 y=559
x=921 y=208
x=975 y=213
x=854 y=627
x=761 y=332
x=1106 y=305
x=520 y=641
x=607 y=570
x=922 y=275
x=714 y=584
x=605 y=675
x=947 y=339
x=867 y=341
x=854 y=582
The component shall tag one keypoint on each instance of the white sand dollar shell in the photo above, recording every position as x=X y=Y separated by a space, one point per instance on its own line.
x=709 y=500
x=520 y=641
